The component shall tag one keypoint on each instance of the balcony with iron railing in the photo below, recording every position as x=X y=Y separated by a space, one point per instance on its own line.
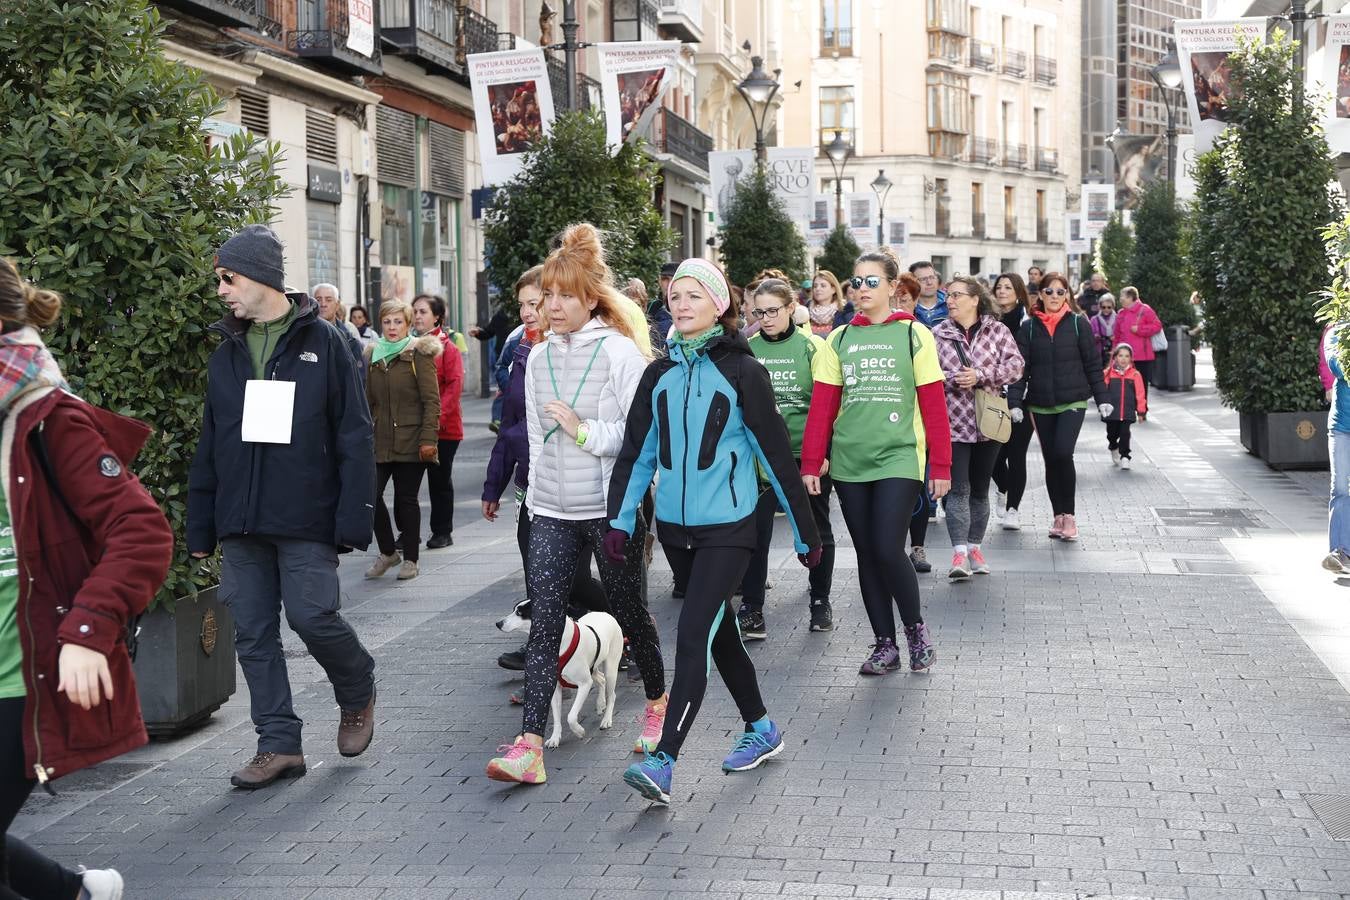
x=1046 y=70
x=681 y=138
x=423 y=30
x=1014 y=63
x=475 y=33
x=231 y=13
x=321 y=34
x=683 y=19
x=588 y=89
x=1047 y=160
x=1015 y=156
x=836 y=42
x=1042 y=231
x=506 y=40
x=1010 y=228
x=977 y=225
x=271 y=18
x=982 y=55
x=983 y=150
x=942 y=222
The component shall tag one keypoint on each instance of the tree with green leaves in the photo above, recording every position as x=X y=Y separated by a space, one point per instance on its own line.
x=111 y=195
x=1114 y=249
x=838 y=254
x=572 y=176
x=758 y=234
x=1157 y=268
x=1263 y=199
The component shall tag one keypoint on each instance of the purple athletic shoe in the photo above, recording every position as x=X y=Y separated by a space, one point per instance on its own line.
x=921 y=651
x=885 y=658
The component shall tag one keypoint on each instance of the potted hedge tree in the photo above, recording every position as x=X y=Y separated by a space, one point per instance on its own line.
x=1157 y=270
x=758 y=234
x=1263 y=198
x=111 y=194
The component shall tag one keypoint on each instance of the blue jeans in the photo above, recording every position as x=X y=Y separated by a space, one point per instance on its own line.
x=1338 y=530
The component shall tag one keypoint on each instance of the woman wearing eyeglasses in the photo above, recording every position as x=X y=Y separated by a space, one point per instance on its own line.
x=1062 y=373
x=791 y=355
x=878 y=407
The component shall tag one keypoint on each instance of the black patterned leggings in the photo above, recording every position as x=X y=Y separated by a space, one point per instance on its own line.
x=556 y=546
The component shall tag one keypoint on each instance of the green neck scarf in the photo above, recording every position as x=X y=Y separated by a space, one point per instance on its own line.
x=691 y=345
x=388 y=349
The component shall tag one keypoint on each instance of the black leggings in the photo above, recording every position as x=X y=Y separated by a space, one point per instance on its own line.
x=707 y=633
x=1118 y=438
x=757 y=573
x=24 y=872
x=1058 y=434
x=441 y=487
x=1010 y=470
x=1145 y=368
x=407 y=512
x=556 y=546
x=587 y=594
x=876 y=511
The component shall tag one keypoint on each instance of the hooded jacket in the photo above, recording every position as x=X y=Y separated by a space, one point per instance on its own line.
x=1127 y=395
x=320 y=486
x=405 y=400
x=702 y=423
x=1142 y=315
x=595 y=370
x=450 y=378
x=1060 y=368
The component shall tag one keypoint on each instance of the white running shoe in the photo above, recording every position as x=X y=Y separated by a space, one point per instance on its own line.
x=1125 y=462
x=1011 y=520
x=1002 y=504
x=1115 y=457
x=101 y=884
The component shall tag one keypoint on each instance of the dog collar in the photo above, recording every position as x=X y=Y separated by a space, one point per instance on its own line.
x=571 y=650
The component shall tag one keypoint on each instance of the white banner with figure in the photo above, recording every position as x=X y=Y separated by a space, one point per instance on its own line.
x=1336 y=81
x=1203 y=47
x=820 y=222
x=897 y=236
x=634 y=76
x=860 y=214
x=1099 y=203
x=361 y=27
x=790 y=169
x=512 y=108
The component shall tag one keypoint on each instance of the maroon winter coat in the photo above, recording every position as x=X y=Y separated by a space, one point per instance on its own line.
x=80 y=582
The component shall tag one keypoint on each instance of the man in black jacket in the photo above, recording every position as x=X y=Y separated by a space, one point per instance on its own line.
x=283 y=479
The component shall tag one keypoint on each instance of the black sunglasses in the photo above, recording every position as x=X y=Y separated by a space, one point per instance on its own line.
x=872 y=281
x=1055 y=292
x=225 y=275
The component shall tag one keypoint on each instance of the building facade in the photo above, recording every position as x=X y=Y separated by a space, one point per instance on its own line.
x=968 y=118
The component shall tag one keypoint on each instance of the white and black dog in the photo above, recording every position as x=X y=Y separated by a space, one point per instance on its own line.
x=588 y=654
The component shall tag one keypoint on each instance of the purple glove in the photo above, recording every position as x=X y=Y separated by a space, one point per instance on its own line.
x=811 y=558
x=615 y=542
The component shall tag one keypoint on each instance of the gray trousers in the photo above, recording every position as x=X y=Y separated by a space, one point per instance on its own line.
x=968 y=500
x=259 y=578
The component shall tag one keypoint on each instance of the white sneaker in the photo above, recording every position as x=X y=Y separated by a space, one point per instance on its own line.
x=1011 y=521
x=101 y=884
x=1115 y=457
x=1002 y=504
x=383 y=564
x=407 y=571
x=1124 y=462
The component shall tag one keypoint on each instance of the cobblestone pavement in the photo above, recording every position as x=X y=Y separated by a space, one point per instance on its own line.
x=1145 y=713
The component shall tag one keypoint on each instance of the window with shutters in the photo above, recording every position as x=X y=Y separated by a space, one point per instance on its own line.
x=322 y=242
x=445 y=147
x=254 y=111
x=321 y=137
x=395 y=140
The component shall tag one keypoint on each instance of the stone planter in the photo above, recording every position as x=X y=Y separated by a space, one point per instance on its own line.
x=1287 y=440
x=185 y=664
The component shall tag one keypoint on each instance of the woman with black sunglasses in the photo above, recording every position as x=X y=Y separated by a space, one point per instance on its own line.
x=1063 y=371
x=879 y=395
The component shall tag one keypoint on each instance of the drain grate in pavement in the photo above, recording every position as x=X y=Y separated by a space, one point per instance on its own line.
x=1334 y=811
x=1208 y=517
x=1213 y=567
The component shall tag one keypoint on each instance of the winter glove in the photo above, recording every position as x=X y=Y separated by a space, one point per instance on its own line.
x=1016 y=414
x=427 y=453
x=1106 y=409
x=615 y=542
x=811 y=558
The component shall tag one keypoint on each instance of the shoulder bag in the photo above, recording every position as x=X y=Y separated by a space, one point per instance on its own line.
x=992 y=417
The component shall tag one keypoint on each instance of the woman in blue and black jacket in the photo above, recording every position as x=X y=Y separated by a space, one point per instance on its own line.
x=703 y=418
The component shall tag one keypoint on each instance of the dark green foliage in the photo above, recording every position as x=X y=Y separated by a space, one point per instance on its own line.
x=758 y=234
x=109 y=195
x=570 y=177
x=1114 y=249
x=839 y=253
x=1257 y=253
x=1156 y=266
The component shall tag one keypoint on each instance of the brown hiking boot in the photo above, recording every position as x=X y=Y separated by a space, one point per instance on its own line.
x=266 y=768
x=357 y=728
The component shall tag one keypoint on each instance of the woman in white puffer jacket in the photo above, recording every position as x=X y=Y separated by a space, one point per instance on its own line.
x=579 y=383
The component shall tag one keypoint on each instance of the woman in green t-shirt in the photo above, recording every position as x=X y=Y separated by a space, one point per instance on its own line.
x=879 y=395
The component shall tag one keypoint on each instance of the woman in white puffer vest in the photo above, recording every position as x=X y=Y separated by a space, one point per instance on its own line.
x=579 y=383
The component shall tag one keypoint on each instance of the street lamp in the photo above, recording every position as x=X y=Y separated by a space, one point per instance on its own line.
x=881 y=186
x=1167 y=76
x=838 y=150
x=757 y=90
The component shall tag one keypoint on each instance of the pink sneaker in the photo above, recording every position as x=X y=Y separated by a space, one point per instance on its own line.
x=653 y=720
x=520 y=763
x=1070 y=529
x=960 y=568
x=1057 y=529
x=978 y=564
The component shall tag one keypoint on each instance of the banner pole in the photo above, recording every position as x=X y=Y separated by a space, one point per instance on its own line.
x=569 y=29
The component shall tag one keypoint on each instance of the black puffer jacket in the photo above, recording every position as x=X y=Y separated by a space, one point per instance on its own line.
x=1061 y=369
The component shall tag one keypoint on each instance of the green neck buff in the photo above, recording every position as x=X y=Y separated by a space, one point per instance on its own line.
x=388 y=349
x=691 y=345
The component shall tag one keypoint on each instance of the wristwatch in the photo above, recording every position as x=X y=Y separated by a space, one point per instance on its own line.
x=582 y=434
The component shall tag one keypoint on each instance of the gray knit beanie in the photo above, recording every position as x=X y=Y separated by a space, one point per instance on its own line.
x=255 y=252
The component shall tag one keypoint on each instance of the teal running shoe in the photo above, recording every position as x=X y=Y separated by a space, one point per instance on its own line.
x=752 y=749
x=651 y=777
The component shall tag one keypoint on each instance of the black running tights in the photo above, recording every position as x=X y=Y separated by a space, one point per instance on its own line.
x=1010 y=470
x=875 y=512
x=1058 y=434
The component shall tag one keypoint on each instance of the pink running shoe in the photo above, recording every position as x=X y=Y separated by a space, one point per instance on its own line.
x=653 y=720
x=520 y=763
x=1057 y=529
x=960 y=568
x=1069 y=530
x=978 y=564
